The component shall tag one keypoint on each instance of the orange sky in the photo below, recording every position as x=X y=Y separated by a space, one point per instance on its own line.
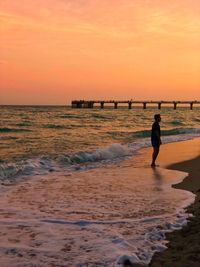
x=53 y=51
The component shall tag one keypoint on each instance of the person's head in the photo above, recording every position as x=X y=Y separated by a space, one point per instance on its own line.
x=157 y=117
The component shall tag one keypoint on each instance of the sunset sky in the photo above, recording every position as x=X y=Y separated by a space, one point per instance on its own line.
x=53 y=51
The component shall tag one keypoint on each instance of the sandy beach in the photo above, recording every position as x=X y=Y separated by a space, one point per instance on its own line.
x=50 y=221
x=184 y=245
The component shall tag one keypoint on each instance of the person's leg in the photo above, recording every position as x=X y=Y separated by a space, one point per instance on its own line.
x=154 y=155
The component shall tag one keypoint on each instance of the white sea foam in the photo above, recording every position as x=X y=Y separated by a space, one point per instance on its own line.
x=108 y=207
x=10 y=171
x=92 y=159
x=127 y=238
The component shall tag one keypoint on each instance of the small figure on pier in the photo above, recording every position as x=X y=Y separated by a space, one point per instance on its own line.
x=155 y=138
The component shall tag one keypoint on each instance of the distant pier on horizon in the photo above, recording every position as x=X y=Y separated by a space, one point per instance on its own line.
x=130 y=103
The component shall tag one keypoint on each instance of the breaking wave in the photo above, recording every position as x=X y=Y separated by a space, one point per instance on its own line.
x=90 y=159
x=108 y=153
x=43 y=165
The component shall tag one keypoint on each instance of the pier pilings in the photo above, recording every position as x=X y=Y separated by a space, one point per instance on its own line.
x=115 y=103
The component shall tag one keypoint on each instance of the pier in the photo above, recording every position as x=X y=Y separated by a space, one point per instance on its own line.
x=130 y=103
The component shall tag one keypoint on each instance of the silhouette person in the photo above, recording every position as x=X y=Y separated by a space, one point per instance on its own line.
x=155 y=139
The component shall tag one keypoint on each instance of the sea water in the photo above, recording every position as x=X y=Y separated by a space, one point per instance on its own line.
x=35 y=138
x=90 y=150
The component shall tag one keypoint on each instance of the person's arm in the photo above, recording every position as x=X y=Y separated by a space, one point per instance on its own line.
x=157 y=132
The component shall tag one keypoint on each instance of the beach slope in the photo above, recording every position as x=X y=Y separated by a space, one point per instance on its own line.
x=184 y=245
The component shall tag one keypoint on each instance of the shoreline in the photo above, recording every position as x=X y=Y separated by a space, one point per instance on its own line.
x=184 y=245
x=44 y=230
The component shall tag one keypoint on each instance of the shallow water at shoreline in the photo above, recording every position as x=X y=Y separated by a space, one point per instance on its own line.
x=91 y=218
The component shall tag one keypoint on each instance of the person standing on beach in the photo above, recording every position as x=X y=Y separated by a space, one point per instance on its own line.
x=155 y=139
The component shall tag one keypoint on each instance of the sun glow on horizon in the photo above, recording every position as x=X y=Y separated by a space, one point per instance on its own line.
x=56 y=50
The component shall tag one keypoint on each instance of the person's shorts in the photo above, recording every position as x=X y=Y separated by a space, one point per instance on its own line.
x=155 y=142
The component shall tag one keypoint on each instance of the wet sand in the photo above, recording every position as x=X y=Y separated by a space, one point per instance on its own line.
x=84 y=219
x=184 y=245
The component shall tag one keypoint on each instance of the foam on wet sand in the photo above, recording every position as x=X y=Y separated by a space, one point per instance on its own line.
x=97 y=217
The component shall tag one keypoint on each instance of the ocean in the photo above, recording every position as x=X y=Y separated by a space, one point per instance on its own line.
x=93 y=150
